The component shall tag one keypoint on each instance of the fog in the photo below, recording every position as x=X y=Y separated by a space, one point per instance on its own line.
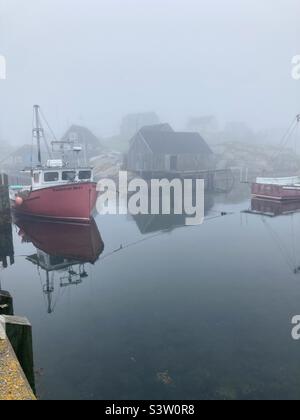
x=93 y=61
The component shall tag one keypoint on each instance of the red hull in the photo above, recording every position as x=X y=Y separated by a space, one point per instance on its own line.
x=276 y=192
x=72 y=202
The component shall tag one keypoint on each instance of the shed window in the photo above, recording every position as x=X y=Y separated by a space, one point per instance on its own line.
x=84 y=175
x=51 y=176
x=68 y=175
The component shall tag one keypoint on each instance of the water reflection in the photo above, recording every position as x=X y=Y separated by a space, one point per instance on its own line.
x=273 y=208
x=270 y=209
x=63 y=250
x=159 y=223
x=195 y=313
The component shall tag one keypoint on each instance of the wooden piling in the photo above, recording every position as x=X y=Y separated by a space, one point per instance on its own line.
x=14 y=385
x=6 y=245
x=4 y=200
x=6 y=303
x=19 y=333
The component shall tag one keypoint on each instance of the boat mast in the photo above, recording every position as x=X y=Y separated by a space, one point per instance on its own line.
x=38 y=131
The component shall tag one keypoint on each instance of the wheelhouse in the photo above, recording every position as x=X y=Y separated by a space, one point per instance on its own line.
x=46 y=177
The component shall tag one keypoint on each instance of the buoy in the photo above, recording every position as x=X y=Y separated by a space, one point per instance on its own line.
x=19 y=201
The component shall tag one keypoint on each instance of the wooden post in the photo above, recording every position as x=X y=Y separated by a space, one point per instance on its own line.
x=6 y=303
x=19 y=334
x=13 y=384
x=6 y=244
x=4 y=199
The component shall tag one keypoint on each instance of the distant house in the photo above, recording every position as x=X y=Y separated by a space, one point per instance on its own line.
x=81 y=135
x=132 y=123
x=161 y=149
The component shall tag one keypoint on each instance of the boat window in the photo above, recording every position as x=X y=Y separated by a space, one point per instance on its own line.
x=68 y=175
x=51 y=176
x=84 y=175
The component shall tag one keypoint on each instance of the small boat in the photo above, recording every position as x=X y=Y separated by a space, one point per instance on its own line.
x=58 y=191
x=281 y=189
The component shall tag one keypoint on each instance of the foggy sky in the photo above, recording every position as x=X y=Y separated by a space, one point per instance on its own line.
x=92 y=61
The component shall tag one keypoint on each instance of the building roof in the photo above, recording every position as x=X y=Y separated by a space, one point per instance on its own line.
x=174 y=143
x=81 y=134
x=158 y=127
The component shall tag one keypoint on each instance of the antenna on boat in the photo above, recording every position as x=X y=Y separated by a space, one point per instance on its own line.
x=77 y=150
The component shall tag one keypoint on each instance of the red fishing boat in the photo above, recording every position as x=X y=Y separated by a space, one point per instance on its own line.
x=280 y=189
x=58 y=190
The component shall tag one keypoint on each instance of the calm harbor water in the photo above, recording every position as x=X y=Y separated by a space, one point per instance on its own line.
x=166 y=311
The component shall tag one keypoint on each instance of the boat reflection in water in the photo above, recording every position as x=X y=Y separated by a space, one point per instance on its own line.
x=63 y=250
x=273 y=208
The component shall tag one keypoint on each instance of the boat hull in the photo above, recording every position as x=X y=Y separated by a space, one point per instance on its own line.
x=72 y=202
x=276 y=192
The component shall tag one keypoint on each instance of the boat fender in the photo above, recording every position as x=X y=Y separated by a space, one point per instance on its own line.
x=19 y=201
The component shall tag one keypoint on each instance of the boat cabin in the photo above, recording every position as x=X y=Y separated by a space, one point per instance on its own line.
x=56 y=174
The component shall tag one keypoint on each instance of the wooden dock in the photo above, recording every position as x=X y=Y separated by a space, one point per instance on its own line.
x=14 y=385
